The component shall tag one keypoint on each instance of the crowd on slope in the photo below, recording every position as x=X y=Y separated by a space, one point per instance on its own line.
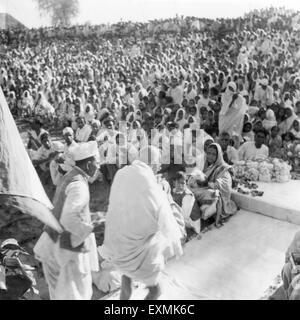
x=204 y=93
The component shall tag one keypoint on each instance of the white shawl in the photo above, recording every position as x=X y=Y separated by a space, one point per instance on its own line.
x=141 y=231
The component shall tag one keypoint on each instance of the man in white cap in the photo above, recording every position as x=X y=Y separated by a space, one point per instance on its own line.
x=264 y=94
x=69 y=258
x=141 y=232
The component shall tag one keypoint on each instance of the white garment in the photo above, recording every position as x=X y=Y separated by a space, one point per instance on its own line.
x=141 y=231
x=68 y=156
x=69 y=274
x=231 y=120
x=270 y=120
x=176 y=94
x=203 y=102
x=232 y=154
x=266 y=97
x=191 y=95
x=248 y=151
x=83 y=134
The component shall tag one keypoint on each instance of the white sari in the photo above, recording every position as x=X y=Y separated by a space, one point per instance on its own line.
x=231 y=118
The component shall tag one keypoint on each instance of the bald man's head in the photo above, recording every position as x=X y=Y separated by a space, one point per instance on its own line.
x=152 y=157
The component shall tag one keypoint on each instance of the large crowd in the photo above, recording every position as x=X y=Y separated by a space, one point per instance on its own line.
x=232 y=84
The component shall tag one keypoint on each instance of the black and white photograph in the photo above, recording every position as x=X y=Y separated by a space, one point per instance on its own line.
x=149 y=150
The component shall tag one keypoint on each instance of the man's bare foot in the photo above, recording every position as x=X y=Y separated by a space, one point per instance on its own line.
x=154 y=293
x=126 y=288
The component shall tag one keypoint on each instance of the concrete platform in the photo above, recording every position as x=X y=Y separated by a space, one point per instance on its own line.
x=237 y=262
x=280 y=201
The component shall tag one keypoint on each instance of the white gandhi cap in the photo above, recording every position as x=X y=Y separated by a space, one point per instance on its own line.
x=85 y=150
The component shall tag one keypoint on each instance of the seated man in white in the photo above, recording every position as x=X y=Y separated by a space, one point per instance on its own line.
x=83 y=131
x=253 y=150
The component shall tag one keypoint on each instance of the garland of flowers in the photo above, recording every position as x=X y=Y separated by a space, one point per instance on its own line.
x=268 y=170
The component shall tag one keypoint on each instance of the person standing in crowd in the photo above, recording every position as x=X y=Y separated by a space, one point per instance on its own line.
x=68 y=135
x=141 y=232
x=176 y=91
x=231 y=118
x=69 y=258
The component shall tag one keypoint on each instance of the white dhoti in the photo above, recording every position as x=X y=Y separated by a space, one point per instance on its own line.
x=68 y=274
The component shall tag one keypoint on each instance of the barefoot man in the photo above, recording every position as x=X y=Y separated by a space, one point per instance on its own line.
x=141 y=232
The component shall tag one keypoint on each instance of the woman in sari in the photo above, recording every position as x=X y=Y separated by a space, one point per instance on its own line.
x=214 y=195
x=180 y=118
x=26 y=104
x=234 y=107
x=270 y=120
x=136 y=134
x=43 y=108
x=89 y=113
x=290 y=117
x=295 y=130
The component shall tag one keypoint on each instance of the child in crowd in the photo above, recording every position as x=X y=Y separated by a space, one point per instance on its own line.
x=207 y=198
x=247 y=134
x=184 y=197
x=295 y=130
x=275 y=143
x=288 y=146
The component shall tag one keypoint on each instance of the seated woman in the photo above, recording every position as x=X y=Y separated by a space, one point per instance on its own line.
x=213 y=192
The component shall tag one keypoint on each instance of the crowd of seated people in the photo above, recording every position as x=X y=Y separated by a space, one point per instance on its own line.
x=207 y=93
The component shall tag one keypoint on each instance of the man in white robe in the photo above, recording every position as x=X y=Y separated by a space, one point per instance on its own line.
x=264 y=94
x=84 y=130
x=69 y=258
x=141 y=232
